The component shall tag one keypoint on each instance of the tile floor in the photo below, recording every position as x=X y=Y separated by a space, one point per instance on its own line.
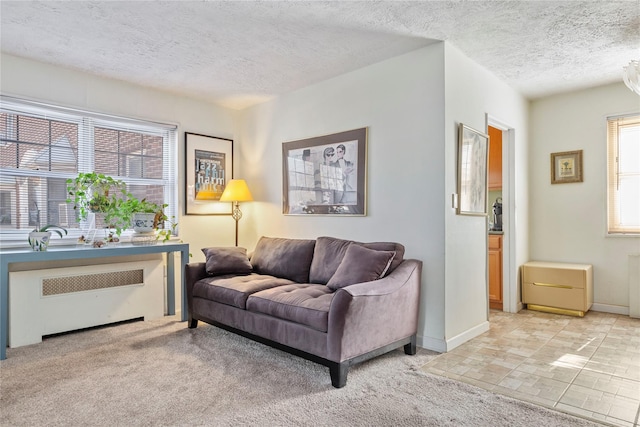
x=589 y=367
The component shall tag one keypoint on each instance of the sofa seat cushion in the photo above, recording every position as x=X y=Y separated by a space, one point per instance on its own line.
x=329 y=252
x=234 y=290
x=306 y=304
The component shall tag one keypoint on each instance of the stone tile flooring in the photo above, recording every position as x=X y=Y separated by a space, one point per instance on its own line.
x=588 y=367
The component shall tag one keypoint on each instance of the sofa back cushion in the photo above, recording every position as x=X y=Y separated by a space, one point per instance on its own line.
x=285 y=258
x=329 y=252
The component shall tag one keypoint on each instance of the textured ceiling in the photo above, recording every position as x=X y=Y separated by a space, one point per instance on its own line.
x=238 y=53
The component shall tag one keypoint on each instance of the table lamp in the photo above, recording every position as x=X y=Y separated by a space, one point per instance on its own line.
x=236 y=191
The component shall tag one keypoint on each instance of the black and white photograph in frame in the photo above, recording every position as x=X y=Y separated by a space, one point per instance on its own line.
x=325 y=175
x=473 y=162
x=208 y=168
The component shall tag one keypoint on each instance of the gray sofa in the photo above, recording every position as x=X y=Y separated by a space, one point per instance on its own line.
x=333 y=301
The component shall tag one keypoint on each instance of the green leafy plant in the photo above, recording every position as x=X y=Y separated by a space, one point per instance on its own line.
x=99 y=193
x=164 y=234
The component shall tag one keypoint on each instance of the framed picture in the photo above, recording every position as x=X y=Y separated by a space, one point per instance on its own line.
x=325 y=175
x=208 y=168
x=473 y=162
x=566 y=167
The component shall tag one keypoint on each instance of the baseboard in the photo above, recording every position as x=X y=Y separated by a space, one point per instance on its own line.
x=432 y=344
x=607 y=308
x=442 y=346
x=467 y=335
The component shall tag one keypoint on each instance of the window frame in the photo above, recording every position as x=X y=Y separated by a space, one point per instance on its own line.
x=614 y=123
x=87 y=121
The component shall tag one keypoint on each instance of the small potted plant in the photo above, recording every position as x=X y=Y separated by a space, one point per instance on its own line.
x=145 y=216
x=39 y=238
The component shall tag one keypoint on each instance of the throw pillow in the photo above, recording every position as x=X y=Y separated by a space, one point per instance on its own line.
x=227 y=260
x=329 y=252
x=359 y=265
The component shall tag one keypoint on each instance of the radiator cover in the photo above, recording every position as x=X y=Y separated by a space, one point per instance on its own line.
x=49 y=301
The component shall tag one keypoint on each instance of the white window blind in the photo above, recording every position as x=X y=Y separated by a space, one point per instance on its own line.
x=623 y=166
x=44 y=145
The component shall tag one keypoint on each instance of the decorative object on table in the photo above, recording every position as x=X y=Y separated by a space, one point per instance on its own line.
x=144 y=239
x=473 y=162
x=236 y=191
x=208 y=168
x=87 y=238
x=566 y=167
x=631 y=76
x=39 y=238
x=325 y=175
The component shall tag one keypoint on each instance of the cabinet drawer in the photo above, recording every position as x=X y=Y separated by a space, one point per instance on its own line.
x=495 y=241
x=569 y=298
x=554 y=276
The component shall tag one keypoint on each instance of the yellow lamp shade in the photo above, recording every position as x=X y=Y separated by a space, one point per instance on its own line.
x=236 y=191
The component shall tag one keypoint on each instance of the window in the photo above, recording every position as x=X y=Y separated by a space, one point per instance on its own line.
x=42 y=146
x=623 y=141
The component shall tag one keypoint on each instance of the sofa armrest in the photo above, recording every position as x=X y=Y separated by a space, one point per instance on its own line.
x=193 y=272
x=367 y=316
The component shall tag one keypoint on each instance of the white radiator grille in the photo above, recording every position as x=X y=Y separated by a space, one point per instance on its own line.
x=89 y=282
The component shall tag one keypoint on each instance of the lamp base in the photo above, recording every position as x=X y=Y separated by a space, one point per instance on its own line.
x=236 y=215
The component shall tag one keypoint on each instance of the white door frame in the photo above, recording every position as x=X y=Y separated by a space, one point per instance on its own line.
x=509 y=269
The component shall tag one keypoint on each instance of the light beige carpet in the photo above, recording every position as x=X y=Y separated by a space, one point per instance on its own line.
x=159 y=373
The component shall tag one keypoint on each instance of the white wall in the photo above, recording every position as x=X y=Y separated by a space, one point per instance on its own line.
x=472 y=93
x=568 y=221
x=38 y=81
x=401 y=102
x=411 y=105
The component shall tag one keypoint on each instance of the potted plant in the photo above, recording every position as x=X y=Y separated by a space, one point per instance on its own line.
x=145 y=216
x=92 y=192
x=39 y=238
x=98 y=193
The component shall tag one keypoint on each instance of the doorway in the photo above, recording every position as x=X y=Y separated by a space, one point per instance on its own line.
x=496 y=233
x=510 y=294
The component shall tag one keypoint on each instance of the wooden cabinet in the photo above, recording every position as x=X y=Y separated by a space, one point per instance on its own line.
x=557 y=287
x=495 y=159
x=495 y=271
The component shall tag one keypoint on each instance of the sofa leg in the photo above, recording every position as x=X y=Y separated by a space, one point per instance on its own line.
x=410 y=348
x=338 y=372
x=193 y=323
